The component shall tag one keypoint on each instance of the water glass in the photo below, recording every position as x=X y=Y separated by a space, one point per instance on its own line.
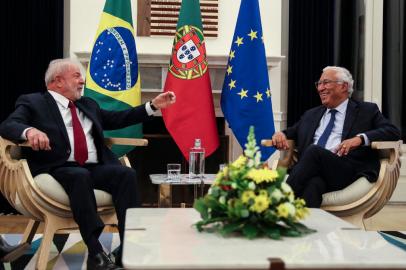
x=173 y=170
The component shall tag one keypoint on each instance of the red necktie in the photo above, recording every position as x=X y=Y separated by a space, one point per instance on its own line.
x=79 y=138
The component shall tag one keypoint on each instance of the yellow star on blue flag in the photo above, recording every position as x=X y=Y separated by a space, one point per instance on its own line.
x=249 y=73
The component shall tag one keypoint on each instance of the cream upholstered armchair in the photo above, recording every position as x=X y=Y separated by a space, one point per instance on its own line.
x=361 y=199
x=43 y=199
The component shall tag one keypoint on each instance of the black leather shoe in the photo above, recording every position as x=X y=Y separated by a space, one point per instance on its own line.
x=10 y=253
x=101 y=261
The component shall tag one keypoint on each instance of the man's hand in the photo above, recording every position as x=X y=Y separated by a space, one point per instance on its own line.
x=164 y=100
x=280 y=141
x=38 y=139
x=347 y=145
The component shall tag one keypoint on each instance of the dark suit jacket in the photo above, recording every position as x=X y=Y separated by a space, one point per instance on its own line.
x=39 y=110
x=361 y=117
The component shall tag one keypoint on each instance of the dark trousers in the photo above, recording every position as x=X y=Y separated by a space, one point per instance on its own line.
x=319 y=171
x=79 y=183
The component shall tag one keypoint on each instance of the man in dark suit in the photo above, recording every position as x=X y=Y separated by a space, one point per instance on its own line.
x=65 y=131
x=333 y=139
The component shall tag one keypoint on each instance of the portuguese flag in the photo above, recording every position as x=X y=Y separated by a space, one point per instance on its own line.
x=112 y=77
x=192 y=116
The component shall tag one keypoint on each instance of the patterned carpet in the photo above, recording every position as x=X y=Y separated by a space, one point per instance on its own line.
x=68 y=251
x=395 y=238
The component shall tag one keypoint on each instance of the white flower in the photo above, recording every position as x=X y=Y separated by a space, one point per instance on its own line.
x=291 y=208
x=257 y=159
x=277 y=195
x=250 y=163
x=222 y=200
x=251 y=185
x=291 y=197
x=286 y=188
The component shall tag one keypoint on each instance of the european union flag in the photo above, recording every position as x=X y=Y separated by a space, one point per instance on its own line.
x=246 y=95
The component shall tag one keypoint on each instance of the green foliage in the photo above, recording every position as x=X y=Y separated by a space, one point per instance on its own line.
x=250 y=199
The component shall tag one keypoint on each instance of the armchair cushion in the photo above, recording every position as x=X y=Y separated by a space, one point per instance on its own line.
x=350 y=194
x=54 y=190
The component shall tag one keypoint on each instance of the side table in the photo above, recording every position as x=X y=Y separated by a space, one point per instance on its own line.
x=165 y=186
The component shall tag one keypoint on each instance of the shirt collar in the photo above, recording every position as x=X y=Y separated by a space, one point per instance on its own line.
x=63 y=101
x=342 y=108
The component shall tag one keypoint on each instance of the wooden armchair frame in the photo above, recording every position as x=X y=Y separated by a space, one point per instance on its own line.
x=376 y=198
x=21 y=191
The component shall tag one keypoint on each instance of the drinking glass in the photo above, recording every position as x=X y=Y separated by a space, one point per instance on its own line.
x=173 y=170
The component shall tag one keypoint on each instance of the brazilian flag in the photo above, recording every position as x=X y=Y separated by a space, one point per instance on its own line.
x=112 y=77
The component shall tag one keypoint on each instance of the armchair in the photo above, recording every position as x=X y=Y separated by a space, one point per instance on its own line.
x=43 y=199
x=361 y=199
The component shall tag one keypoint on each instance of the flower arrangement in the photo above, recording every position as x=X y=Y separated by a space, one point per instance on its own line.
x=249 y=198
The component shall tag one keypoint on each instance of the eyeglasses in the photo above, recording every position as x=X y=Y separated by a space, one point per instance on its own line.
x=326 y=82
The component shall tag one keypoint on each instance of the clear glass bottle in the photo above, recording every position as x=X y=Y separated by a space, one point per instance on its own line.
x=196 y=160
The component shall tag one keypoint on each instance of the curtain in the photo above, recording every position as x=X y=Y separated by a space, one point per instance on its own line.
x=393 y=66
x=32 y=35
x=311 y=39
x=349 y=41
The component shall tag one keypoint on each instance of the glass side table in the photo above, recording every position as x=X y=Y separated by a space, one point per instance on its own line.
x=165 y=186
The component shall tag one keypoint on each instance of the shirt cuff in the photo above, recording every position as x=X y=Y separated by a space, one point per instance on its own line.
x=149 y=110
x=366 y=140
x=24 y=134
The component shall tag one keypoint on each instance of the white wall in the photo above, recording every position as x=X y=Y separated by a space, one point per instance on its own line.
x=85 y=15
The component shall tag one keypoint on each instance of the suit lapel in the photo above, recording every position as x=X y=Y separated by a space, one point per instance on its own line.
x=350 y=115
x=314 y=124
x=89 y=113
x=56 y=114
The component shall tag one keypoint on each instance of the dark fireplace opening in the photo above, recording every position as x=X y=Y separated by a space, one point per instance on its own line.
x=162 y=150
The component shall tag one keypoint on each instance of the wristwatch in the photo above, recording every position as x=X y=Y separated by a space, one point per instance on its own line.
x=362 y=139
x=152 y=106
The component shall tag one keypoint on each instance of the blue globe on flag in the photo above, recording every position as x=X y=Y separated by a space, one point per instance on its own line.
x=114 y=64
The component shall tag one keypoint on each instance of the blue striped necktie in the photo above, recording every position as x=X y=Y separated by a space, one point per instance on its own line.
x=326 y=133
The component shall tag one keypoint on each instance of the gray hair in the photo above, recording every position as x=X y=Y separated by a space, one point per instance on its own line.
x=344 y=75
x=58 y=66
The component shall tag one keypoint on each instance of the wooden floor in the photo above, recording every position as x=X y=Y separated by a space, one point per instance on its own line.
x=391 y=218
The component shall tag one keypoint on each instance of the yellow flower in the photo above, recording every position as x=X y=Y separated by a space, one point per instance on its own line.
x=241 y=160
x=263 y=192
x=301 y=213
x=300 y=203
x=285 y=210
x=247 y=195
x=219 y=176
x=261 y=175
x=261 y=203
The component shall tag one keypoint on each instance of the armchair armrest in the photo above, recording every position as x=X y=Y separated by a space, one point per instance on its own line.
x=289 y=156
x=386 y=145
x=388 y=149
x=125 y=141
x=107 y=141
